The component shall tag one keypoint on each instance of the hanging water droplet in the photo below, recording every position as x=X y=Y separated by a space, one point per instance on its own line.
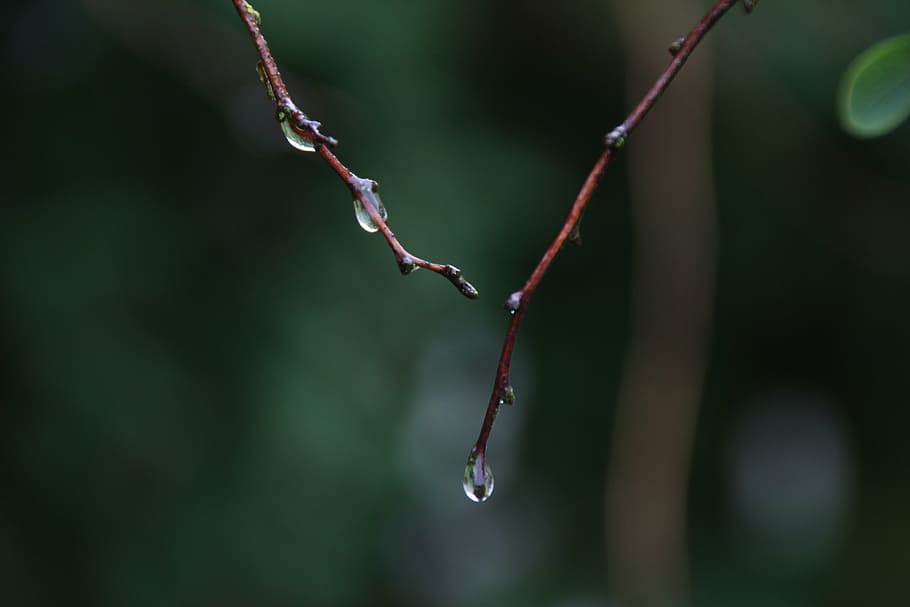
x=513 y=302
x=297 y=138
x=507 y=395
x=478 y=478
x=363 y=216
x=264 y=79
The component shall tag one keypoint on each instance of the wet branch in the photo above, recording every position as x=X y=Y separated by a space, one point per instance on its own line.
x=478 y=478
x=310 y=138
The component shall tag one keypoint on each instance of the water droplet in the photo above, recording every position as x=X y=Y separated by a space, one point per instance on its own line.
x=478 y=478
x=298 y=138
x=264 y=79
x=676 y=46
x=363 y=217
x=513 y=302
x=507 y=395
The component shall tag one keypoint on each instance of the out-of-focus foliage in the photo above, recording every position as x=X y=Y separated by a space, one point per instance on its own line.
x=218 y=390
x=875 y=93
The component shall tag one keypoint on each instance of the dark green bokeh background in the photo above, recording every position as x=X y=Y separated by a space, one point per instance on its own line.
x=217 y=390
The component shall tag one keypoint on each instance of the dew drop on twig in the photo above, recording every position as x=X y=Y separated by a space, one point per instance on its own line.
x=507 y=395
x=296 y=137
x=478 y=478
x=513 y=302
x=363 y=216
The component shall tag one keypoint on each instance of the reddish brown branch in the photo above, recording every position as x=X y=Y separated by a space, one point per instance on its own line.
x=310 y=129
x=518 y=301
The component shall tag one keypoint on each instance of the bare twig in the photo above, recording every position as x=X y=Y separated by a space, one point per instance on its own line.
x=477 y=485
x=364 y=190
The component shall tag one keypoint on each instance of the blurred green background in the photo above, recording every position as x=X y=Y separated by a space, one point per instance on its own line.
x=217 y=390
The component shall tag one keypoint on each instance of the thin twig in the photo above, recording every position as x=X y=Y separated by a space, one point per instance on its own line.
x=517 y=303
x=361 y=189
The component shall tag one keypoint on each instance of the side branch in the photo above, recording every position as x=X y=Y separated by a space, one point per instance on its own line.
x=477 y=486
x=304 y=133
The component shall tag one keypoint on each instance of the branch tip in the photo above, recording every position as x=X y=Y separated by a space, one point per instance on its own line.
x=468 y=290
x=305 y=134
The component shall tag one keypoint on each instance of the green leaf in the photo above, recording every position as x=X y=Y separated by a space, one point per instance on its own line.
x=875 y=92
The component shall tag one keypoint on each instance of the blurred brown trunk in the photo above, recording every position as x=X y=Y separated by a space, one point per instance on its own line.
x=671 y=188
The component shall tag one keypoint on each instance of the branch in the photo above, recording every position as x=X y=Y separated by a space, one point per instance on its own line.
x=304 y=134
x=478 y=479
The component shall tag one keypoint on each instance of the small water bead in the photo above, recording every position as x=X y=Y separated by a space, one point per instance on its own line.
x=363 y=216
x=478 y=478
x=676 y=46
x=513 y=302
x=507 y=395
x=296 y=137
